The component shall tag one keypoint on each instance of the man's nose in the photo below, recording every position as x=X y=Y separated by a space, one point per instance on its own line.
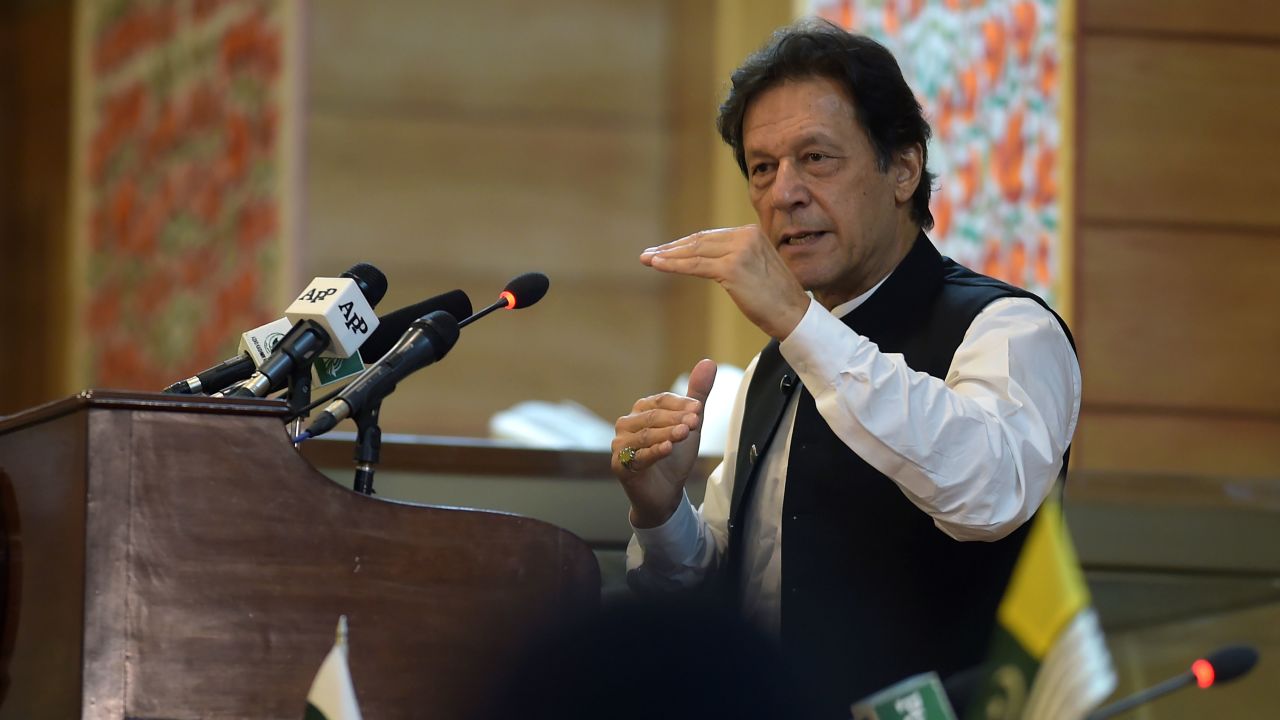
x=789 y=188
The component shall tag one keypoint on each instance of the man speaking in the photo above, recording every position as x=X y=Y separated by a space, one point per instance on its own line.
x=890 y=444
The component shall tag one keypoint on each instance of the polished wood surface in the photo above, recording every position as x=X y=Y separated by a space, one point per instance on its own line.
x=426 y=454
x=179 y=562
x=439 y=455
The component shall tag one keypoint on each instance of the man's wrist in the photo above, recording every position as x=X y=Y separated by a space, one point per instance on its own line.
x=650 y=518
x=788 y=317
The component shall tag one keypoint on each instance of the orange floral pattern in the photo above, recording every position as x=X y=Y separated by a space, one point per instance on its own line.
x=986 y=74
x=182 y=170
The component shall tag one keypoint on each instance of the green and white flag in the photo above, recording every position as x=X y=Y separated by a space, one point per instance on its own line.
x=1048 y=659
x=332 y=696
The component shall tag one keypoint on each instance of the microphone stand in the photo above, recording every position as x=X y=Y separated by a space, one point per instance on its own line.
x=368 y=445
x=299 y=394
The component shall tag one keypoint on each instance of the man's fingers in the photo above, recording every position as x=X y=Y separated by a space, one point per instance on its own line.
x=652 y=436
x=696 y=266
x=707 y=243
x=644 y=457
x=636 y=422
x=664 y=401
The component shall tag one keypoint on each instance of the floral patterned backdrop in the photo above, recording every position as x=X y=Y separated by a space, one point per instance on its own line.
x=988 y=73
x=180 y=179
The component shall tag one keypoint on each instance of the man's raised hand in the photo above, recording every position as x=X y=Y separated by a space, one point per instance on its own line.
x=747 y=265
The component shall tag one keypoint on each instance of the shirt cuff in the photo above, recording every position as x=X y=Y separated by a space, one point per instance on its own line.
x=673 y=540
x=819 y=344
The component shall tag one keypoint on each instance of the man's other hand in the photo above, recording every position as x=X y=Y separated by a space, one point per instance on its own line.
x=663 y=430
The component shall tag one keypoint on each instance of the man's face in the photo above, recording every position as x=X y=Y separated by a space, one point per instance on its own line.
x=839 y=223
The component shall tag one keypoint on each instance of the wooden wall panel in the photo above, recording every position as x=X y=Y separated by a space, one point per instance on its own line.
x=1178 y=239
x=552 y=61
x=1180 y=318
x=1176 y=131
x=459 y=146
x=1194 y=443
x=467 y=198
x=35 y=124
x=1238 y=18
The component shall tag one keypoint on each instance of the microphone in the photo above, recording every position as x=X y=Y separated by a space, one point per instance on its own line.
x=333 y=315
x=1221 y=666
x=227 y=372
x=429 y=339
x=397 y=322
x=257 y=344
x=521 y=292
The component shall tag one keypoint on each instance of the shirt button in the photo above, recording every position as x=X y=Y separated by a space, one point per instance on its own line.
x=787 y=383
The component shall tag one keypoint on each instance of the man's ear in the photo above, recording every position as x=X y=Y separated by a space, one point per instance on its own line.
x=905 y=171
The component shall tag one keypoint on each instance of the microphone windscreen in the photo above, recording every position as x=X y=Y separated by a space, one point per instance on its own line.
x=394 y=324
x=527 y=289
x=444 y=328
x=1232 y=661
x=370 y=280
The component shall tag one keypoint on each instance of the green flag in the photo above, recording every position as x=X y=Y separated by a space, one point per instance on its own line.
x=1048 y=658
x=332 y=696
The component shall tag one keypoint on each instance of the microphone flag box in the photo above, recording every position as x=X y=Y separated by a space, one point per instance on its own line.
x=261 y=341
x=338 y=306
x=919 y=697
x=330 y=370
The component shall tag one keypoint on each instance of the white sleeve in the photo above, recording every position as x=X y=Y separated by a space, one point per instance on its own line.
x=978 y=451
x=681 y=552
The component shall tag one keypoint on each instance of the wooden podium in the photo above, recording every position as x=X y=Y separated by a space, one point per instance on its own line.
x=174 y=557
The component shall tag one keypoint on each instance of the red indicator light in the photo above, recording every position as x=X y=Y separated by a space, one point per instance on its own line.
x=509 y=297
x=1203 y=671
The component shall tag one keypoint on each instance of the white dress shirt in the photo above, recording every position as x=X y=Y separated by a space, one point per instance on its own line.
x=977 y=451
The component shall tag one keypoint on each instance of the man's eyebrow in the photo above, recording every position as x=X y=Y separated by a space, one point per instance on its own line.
x=813 y=138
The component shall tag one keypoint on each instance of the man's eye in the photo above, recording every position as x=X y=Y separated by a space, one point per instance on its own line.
x=759 y=168
x=816 y=156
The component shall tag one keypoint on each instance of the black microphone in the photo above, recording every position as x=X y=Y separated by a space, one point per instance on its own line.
x=397 y=322
x=327 y=314
x=521 y=292
x=1221 y=666
x=429 y=339
x=228 y=372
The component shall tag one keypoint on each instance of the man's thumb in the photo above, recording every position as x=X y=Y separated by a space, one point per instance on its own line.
x=701 y=379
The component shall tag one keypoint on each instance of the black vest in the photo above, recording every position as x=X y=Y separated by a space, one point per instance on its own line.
x=872 y=591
